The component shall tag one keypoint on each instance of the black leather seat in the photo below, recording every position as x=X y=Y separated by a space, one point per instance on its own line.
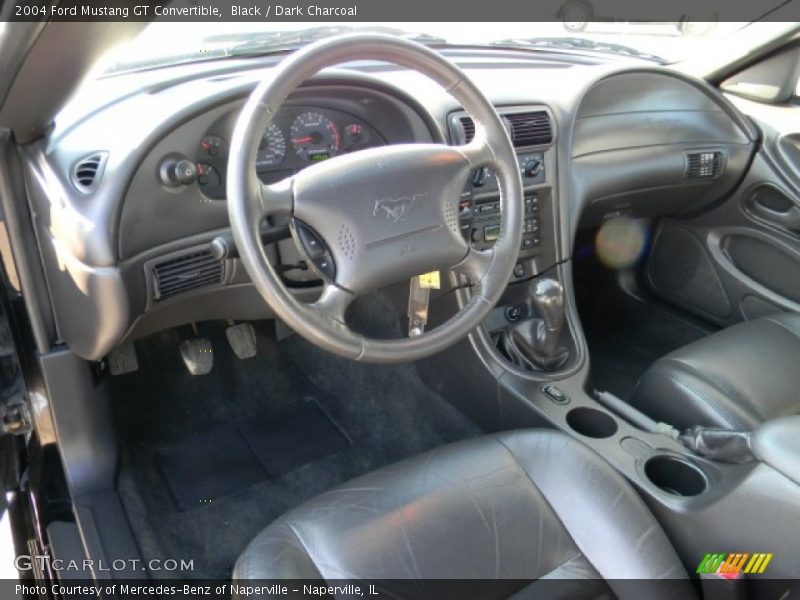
x=736 y=378
x=520 y=508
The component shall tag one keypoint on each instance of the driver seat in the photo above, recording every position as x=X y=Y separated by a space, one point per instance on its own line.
x=518 y=508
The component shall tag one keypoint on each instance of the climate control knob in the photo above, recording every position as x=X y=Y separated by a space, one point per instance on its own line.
x=532 y=168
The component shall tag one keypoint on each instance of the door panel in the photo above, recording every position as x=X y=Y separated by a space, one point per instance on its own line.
x=740 y=260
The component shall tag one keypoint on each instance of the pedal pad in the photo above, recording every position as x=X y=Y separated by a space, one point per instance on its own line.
x=242 y=338
x=197 y=355
x=123 y=360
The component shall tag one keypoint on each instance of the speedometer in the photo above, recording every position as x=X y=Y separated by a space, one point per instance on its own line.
x=315 y=137
x=272 y=149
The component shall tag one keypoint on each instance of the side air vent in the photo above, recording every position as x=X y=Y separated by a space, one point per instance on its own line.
x=530 y=129
x=526 y=129
x=703 y=165
x=86 y=173
x=186 y=272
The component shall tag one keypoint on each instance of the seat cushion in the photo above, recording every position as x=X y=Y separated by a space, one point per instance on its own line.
x=736 y=378
x=519 y=507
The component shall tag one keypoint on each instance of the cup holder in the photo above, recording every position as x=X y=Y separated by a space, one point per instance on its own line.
x=675 y=475
x=591 y=422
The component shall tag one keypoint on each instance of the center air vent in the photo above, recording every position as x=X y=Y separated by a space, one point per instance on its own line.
x=186 y=272
x=526 y=128
x=468 y=129
x=703 y=165
x=530 y=129
x=86 y=173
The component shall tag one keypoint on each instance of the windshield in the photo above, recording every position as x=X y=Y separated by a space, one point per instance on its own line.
x=163 y=44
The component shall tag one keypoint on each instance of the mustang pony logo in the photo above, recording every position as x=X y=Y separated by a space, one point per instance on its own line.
x=396 y=209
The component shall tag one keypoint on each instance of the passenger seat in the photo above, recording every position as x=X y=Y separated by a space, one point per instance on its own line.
x=736 y=378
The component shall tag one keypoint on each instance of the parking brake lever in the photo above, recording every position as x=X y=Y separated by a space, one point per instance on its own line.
x=719 y=444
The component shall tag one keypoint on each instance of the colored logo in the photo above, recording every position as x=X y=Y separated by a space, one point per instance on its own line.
x=735 y=564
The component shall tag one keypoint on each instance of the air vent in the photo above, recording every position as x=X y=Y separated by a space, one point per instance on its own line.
x=526 y=129
x=186 y=272
x=87 y=172
x=530 y=128
x=468 y=127
x=703 y=165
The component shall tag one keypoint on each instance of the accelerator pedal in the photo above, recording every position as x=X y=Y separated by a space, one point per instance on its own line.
x=197 y=355
x=242 y=338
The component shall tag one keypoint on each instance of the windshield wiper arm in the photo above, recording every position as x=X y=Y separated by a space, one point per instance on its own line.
x=576 y=43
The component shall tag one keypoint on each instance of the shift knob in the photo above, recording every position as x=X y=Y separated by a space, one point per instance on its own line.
x=548 y=297
x=533 y=344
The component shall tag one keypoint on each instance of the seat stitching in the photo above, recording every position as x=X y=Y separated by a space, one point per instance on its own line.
x=713 y=381
x=547 y=501
x=578 y=554
x=783 y=326
x=740 y=401
x=305 y=548
x=732 y=421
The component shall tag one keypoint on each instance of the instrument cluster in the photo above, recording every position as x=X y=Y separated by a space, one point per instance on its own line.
x=296 y=138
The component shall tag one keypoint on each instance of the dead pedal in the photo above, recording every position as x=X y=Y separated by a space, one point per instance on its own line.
x=242 y=338
x=197 y=355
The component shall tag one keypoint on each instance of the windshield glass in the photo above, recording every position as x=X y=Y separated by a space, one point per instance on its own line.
x=163 y=44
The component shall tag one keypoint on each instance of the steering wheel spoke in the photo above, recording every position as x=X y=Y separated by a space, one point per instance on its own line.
x=478 y=153
x=476 y=264
x=277 y=198
x=333 y=302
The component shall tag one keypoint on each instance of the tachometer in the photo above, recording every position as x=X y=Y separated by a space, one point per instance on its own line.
x=272 y=149
x=315 y=137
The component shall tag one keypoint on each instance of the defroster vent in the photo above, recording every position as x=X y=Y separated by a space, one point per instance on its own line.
x=186 y=272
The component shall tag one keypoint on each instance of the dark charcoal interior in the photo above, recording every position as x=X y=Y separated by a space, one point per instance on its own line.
x=386 y=414
x=126 y=211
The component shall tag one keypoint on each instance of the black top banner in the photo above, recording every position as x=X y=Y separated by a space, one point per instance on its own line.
x=399 y=11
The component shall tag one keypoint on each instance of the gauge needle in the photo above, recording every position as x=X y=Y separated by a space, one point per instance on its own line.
x=302 y=140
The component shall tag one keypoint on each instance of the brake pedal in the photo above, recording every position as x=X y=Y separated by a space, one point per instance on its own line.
x=197 y=355
x=123 y=360
x=242 y=338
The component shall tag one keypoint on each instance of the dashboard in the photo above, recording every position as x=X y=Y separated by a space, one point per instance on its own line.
x=127 y=238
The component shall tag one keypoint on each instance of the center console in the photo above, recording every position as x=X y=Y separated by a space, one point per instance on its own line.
x=527 y=325
x=532 y=133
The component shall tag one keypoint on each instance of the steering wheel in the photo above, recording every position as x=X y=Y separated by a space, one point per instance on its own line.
x=377 y=216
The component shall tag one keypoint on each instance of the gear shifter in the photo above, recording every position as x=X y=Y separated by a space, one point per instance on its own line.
x=533 y=344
